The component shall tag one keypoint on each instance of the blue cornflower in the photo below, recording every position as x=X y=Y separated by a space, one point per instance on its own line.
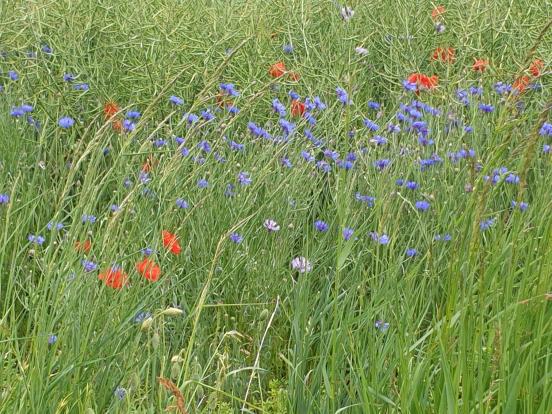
x=144 y=177
x=288 y=48
x=371 y=125
x=321 y=226
x=52 y=339
x=181 y=203
x=114 y=208
x=293 y=95
x=411 y=252
x=192 y=118
x=89 y=266
x=207 y=115
x=202 y=183
x=128 y=125
x=486 y=107
x=175 y=100
x=233 y=110
x=147 y=251
x=88 y=218
x=382 y=326
x=546 y=129
x=36 y=239
x=236 y=238
x=133 y=114
x=46 y=49
x=229 y=89
x=409 y=86
x=445 y=237
x=158 y=143
x=347 y=233
x=235 y=146
x=120 y=392
x=27 y=108
x=369 y=200
x=243 y=178
x=286 y=162
x=381 y=164
x=324 y=166
x=278 y=107
x=399 y=182
x=286 y=126
x=486 y=224
x=512 y=179
x=229 y=191
x=474 y=90
x=307 y=156
x=318 y=104
x=17 y=112
x=179 y=140
x=502 y=88
x=378 y=140
x=204 y=146
x=51 y=225
x=4 y=198
x=546 y=148
x=81 y=86
x=68 y=77
x=12 y=74
x=66 y=122
x=141 y=316
x=381 y=239
x=412 y=185
x=184 y=151
x=373 y=105
x=394 y=129
x=334 y=155
x=422 y=205
x=342 y=96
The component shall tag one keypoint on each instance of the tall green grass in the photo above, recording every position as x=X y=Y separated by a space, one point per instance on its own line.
x=469 y=320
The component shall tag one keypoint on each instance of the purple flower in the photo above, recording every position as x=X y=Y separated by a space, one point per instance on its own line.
x=229 y=89
x=382 y=326
x=347 y=233
x=36 y=239
x=422 y=205
x=12 y=74
x=321 y=226
x=89 y=266
x=371 y=125
x=287 y=48
x=4 y=198
x=243 y=178
x=120 y=393
x=88 y=218
x=365 y=199
x=271 y=225
x=181 y=203
x=411 y=252
x=66 y=122
x=278 y=107
x=342 y=96
x=202 y=183
x=301 y=264
x=381 y=164
x=236 y=238
x=52 y=339
x=204 y=146
x=133 y=114
x=486 y=108
x=128 y=125
x=147 y=251
x=381 y=239
x=286 y=162
x=373 y=105
x=408 y=86
x=81 y=87
x=175 y=100
x=486 y=224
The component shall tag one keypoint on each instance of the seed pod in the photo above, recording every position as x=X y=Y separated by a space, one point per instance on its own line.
x=155 y=340
x=146 y=324
x=172 y=312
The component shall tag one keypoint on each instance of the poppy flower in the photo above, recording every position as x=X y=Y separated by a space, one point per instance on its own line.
x=83 y=246
x=438 y=12
x=149 y=269
x=114 y=278
x=277 y=70
x=170 y=241
x=297 y=108
x=521 y=83
x=423 y=81
x=480 y=65
x=446 y=55
x=149 y=164
x=117 y=125
x=536 y=67
x=110 y=109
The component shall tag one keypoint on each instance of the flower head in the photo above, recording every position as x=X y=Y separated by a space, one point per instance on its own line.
x=271 y=225
x=301 y=264
x=114 y=277
x=149 y=269
x=170 y=242
x=66 y=122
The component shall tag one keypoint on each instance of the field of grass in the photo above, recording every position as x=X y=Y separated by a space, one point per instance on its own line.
x=275 y=207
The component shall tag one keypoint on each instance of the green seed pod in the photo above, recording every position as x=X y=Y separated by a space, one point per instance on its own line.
x=155 y=340
x=176 y=369
x=263 y=315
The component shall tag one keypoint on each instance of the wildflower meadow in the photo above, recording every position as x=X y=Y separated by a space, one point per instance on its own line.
x=258 y=206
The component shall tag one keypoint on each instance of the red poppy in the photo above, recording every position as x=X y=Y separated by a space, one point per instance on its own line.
x=110 y=109
x=277 y=70
x=521 y=83
x=83 y=246
x=480 y=65
x=297 y=108
x=149 y=269
x=423 y=81
x=114 y=278
x=438 y=12
x=170 y=241
x=149 y=164
x=117 y=125
x=536 y=67
x=447 y=55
